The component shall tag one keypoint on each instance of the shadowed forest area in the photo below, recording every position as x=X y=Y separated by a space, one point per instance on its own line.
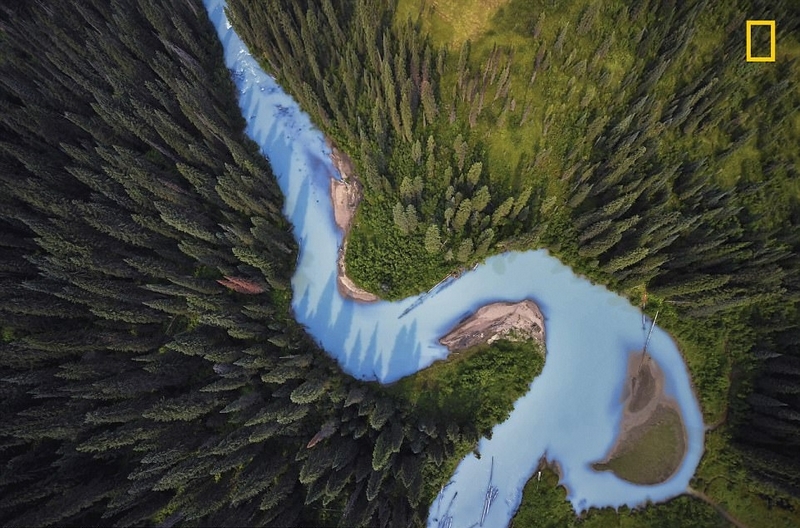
x=152 y=373
x=632 y=141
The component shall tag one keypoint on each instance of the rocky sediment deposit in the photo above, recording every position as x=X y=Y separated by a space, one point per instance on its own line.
x=503 y=320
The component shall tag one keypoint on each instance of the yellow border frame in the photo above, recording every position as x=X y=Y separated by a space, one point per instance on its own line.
x=749 y=26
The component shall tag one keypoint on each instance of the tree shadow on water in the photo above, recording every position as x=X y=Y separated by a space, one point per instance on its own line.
x=248 y=106
x=298 y=215
x=275 y=145
x=403 y=358
x=350 y=361
x=301 y=308
x=318 y=316
x=367 y=356
x=340 y=329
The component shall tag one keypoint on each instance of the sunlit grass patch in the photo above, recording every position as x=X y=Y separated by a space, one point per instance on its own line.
x=450 y=22
x=733 y=167
x=652 y=451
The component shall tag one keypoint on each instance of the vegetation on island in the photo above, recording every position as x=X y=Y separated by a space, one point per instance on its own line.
x=653 y=451
x=634 y=142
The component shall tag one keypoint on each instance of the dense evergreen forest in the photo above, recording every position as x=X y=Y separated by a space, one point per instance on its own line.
x=632 y=141
x=151 y=371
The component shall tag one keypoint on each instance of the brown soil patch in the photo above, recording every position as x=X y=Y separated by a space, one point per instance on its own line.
x=643 y=390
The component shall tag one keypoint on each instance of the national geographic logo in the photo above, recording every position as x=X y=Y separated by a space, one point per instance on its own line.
x=749 y=40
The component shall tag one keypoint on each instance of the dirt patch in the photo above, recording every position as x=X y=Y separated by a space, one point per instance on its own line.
x=652 y=440
x=345 y=197
x=643 y=390
x=503 y=320
x=345 y=194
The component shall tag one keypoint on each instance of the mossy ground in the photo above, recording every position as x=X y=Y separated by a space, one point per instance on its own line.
x=652 y=451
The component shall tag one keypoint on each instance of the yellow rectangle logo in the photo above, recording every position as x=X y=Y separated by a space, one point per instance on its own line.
x=771 y=24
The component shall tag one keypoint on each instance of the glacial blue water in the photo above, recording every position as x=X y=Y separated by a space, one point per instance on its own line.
x=572 y=412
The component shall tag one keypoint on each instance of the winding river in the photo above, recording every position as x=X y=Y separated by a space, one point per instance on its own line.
x=572 y=412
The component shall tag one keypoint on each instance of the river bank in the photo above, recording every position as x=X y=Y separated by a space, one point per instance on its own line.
x=345 y=197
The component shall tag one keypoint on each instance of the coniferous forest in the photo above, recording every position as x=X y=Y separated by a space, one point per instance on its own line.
x=632 y=141
x=150 y=369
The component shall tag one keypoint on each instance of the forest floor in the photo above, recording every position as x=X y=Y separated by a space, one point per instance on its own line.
x=501 y=320
x=715 y=504
x=652 y=440
x=345 y=197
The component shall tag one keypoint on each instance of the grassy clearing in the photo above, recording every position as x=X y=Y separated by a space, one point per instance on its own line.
x=560 y=96
x=743 y=82
x=722 y=476
x=552 y=112
x=709 y=355
x=450 y=22
x=652 y=451
x=738 y=164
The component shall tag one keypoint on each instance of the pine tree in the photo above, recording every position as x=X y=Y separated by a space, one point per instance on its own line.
x=399 y=217
x=481 y=199
x=462 y=215
x=474 y=173
x=429 y=106
x=464 y=250
x=433 y=241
